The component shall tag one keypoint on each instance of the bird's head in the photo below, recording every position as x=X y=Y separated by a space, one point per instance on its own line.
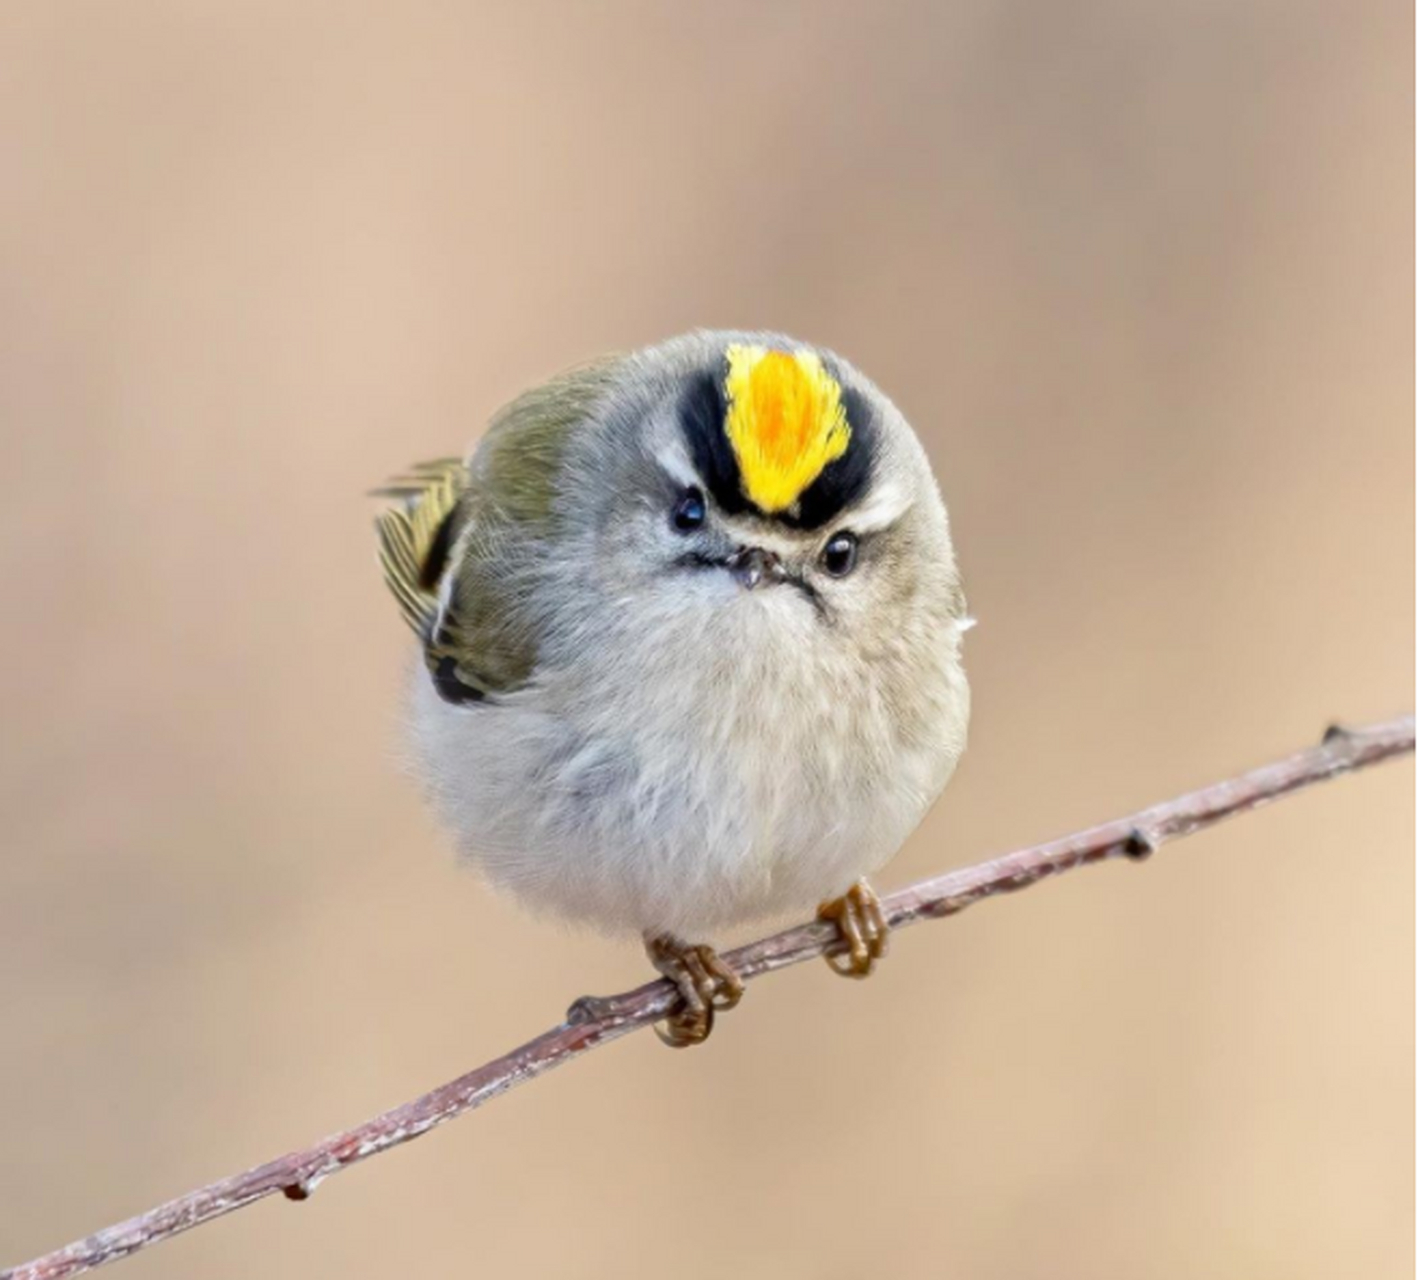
x=749 y=476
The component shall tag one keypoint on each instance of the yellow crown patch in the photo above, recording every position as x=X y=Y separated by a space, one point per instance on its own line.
x=785 y=422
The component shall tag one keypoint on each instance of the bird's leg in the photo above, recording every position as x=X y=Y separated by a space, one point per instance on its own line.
x=705 y=984
x=861 y=921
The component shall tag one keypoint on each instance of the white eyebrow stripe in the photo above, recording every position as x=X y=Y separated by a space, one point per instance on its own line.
x=674 y=461
x=886 y=505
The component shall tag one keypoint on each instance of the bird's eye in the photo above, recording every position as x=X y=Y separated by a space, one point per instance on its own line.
x=688 y=514
x=839 y=556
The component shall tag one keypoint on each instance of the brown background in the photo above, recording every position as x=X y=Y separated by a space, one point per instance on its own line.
x=1141 y=273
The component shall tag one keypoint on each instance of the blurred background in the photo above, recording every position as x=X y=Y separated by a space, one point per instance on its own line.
x=1142 y=276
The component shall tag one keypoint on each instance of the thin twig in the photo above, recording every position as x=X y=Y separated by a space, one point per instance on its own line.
x=597 y=1021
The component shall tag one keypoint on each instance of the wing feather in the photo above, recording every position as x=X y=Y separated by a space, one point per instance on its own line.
x=459 y=543
x=410 y=536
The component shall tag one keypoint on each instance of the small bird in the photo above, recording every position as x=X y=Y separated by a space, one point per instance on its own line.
x=691 y=626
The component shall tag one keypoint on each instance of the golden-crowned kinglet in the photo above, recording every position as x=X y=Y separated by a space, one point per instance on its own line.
x=691 y=622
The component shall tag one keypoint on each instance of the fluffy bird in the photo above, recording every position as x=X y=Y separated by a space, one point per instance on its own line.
x=691 y=627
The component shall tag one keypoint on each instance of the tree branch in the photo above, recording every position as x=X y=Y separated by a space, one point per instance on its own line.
x=598 y=1020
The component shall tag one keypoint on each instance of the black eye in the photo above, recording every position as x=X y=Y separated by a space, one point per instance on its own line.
x=839 y=556
x=688 y=514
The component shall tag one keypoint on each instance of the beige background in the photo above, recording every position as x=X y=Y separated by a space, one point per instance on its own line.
x=1141 y=273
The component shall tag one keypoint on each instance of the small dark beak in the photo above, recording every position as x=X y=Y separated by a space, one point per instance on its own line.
x=753 y=566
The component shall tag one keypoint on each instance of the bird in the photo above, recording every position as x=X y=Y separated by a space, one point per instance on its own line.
x=690 y=623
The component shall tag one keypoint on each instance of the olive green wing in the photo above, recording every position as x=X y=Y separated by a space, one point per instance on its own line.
x=462 y=545
x=418 y=535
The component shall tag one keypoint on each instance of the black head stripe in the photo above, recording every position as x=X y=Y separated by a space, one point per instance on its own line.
x=702 y=411
x=701 y=414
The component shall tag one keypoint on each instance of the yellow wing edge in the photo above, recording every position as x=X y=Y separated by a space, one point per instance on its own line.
x=411 y=531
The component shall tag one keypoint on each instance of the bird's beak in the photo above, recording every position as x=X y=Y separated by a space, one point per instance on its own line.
x=753 y=566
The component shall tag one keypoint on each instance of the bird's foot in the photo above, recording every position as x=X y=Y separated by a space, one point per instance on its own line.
x=862 y=923
x=705 y=983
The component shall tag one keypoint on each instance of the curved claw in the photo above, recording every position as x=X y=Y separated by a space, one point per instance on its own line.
x=684 y=1030
x=706 y=985
x=862 y=923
